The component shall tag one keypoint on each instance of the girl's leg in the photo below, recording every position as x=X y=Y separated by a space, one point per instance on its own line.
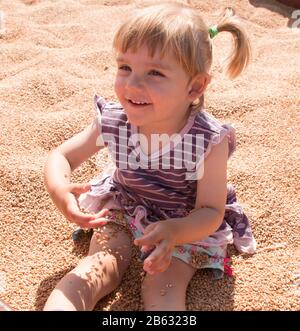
x=167 y=290
x=96 y=275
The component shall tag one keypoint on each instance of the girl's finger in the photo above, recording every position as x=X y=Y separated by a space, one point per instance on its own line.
x=158 y=256
x=146 y=251
x=77 y=216
x=160 y=265
x=141 y=241
x=148 y=239
x=161 y=250
x=101 y=213
x=93 y=224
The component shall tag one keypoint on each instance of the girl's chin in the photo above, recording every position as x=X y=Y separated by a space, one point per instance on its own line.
x=137 y=119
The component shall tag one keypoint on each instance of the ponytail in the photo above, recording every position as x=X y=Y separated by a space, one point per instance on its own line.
x=240 y=57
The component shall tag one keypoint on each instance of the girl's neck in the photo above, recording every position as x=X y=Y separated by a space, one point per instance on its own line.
x=161 y=128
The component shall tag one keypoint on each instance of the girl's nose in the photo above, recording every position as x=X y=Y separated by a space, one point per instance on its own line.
x=135 y=82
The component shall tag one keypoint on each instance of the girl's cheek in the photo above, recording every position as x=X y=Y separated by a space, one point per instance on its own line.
x=157 y=87
x=118 y=86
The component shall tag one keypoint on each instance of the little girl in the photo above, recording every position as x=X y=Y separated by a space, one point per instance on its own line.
x=168 y=185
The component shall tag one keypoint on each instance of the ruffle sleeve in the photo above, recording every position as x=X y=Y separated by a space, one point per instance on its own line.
x=214 y=132
x=110 y=116
x=99 y=103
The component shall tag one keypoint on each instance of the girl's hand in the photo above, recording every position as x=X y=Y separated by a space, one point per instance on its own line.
x=65 y=198
x=160 y=235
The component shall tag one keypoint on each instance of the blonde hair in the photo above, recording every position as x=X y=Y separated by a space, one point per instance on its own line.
x=178 y=28
x=241 y=54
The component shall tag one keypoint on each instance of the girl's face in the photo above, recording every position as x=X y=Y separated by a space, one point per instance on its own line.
x=154 y=92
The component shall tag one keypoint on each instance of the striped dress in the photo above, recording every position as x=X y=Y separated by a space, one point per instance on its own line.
x=163 y=185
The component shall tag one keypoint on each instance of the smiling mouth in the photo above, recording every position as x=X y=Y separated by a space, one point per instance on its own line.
x=138 y=103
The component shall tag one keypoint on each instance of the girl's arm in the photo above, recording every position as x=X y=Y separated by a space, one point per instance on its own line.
x=209 y=210
x=59 y=165
x=71 y=154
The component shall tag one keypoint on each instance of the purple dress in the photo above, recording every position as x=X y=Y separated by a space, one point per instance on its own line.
x=164 y=185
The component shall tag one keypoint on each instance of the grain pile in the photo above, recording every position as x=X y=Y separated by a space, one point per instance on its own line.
x=54 y=56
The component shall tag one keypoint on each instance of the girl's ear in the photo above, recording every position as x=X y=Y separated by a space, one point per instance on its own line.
x=198 y=85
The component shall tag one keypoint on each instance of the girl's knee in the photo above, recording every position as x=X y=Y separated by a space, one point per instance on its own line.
x=96 y=275
x=167 y=290
x=112 y=240
x=100 y=270
x=93 y=278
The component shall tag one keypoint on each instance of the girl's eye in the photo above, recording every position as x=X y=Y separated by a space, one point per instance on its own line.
x=124 y=67
x=156 y=73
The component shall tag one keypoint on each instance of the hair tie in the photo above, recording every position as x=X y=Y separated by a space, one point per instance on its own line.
x=213 y=31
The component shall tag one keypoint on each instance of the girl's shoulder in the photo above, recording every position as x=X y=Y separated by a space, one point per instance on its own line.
x=207 y=121
x=213 y=130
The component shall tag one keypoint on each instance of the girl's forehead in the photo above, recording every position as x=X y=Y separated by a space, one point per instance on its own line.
x=144 y=55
